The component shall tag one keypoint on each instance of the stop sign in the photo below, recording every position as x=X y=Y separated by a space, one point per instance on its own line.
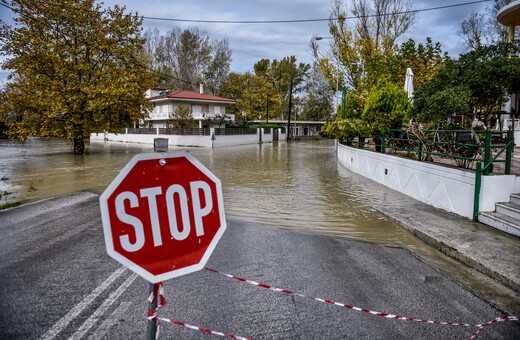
x=163 y=215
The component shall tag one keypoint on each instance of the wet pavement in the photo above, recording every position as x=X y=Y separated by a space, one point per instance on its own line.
x=331 y=200
x=58 y=282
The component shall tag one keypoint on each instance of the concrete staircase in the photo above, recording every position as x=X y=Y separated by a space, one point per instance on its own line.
x=506 y=216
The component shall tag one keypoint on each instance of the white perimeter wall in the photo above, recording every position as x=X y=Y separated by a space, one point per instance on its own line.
x=447 y=188
x=204 y=141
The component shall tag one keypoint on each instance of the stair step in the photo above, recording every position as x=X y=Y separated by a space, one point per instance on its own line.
x=500 y=221
x=509 y=209
x=515 y=198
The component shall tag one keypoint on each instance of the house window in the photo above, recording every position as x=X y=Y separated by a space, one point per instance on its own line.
x=196 y=108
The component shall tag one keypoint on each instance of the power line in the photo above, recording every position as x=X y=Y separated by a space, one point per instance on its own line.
x=310 y=20
x=2 y=3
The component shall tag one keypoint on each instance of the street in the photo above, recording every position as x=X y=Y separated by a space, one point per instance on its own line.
x=58 y=282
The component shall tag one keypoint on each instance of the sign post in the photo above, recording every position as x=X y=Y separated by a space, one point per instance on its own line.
x=151 y=328
x=162 y=216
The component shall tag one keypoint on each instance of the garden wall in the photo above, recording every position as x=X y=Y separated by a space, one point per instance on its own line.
x=447 y=188
x=210 y=140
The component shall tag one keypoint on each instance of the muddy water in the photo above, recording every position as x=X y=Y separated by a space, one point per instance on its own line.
x=296 y=185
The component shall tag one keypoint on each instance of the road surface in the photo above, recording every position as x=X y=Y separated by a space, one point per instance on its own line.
x=57 y=282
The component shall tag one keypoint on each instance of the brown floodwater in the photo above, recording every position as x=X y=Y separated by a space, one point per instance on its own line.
x=297 y=185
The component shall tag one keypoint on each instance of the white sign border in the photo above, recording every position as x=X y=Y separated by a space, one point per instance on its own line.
x=105 y=218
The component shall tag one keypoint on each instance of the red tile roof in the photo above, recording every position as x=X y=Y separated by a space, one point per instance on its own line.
x=183 y=94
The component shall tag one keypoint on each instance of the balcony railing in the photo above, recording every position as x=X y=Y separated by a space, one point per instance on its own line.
x=196 y=115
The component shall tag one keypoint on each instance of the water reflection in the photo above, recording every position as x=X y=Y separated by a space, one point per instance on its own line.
x=296 y=185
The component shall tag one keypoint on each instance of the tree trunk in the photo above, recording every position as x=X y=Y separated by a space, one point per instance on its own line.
x=78 y=145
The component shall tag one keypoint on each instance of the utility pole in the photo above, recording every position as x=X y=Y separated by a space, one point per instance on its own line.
x=289 y=119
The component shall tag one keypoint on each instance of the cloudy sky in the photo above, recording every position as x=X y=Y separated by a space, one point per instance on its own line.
x=251 y=42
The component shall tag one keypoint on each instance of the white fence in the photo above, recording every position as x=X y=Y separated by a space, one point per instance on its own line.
x=215 y=138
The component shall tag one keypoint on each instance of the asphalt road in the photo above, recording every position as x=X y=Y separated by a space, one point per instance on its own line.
x=56 y=282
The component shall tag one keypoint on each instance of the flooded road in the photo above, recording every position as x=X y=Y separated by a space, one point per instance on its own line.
x=296 y=185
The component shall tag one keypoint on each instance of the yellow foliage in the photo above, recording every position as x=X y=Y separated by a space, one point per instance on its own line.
x=360 y=49
x=76 y=69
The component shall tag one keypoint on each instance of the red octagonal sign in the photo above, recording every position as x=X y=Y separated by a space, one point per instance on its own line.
x=163 y=215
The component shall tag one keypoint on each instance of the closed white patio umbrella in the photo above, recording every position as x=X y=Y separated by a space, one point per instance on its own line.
x=408 y=84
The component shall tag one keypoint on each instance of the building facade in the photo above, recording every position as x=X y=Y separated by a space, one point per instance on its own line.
x=209 y=111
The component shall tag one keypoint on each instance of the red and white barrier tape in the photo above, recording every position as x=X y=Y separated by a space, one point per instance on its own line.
x=204 y=330
x=385 y=315
x=158 y=291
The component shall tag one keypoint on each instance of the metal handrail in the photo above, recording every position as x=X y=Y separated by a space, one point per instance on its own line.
x=479 y=170
x=478 y=176
x=487 y=145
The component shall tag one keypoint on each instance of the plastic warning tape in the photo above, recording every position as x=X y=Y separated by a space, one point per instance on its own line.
x=204 y=330
x=385 y=315
x=158 y=292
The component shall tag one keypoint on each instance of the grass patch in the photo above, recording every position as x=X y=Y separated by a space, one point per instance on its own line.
x=13 y=204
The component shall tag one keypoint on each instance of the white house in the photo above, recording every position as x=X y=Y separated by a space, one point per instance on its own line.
x=208 y=110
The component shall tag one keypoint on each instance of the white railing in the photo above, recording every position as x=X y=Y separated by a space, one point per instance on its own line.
x=196 y=115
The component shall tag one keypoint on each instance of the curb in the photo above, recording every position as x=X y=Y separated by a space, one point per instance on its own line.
x=453 y=252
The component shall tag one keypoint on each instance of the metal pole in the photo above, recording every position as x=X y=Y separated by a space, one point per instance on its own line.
x=152 y=324
x=289 y=120
x=487 y=150
x=509 y=152
x=476 y=197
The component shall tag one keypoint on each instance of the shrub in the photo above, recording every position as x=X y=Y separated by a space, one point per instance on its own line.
x=386 y=108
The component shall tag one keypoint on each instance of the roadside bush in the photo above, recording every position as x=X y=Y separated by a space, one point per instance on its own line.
x=386 y=108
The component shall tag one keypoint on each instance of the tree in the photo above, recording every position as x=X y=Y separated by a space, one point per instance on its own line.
x=318 y=101
x=478 y=83
x=360 y=52
x=441 y=98
x=254 y=95
x=490 y=74
x=186 y=57
x=352 y=107
x=474 y=30
x=281 y=74
x=386 y=108
x=425 y=60
x=76 y=69
x=182 y=117
x=482 y=29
